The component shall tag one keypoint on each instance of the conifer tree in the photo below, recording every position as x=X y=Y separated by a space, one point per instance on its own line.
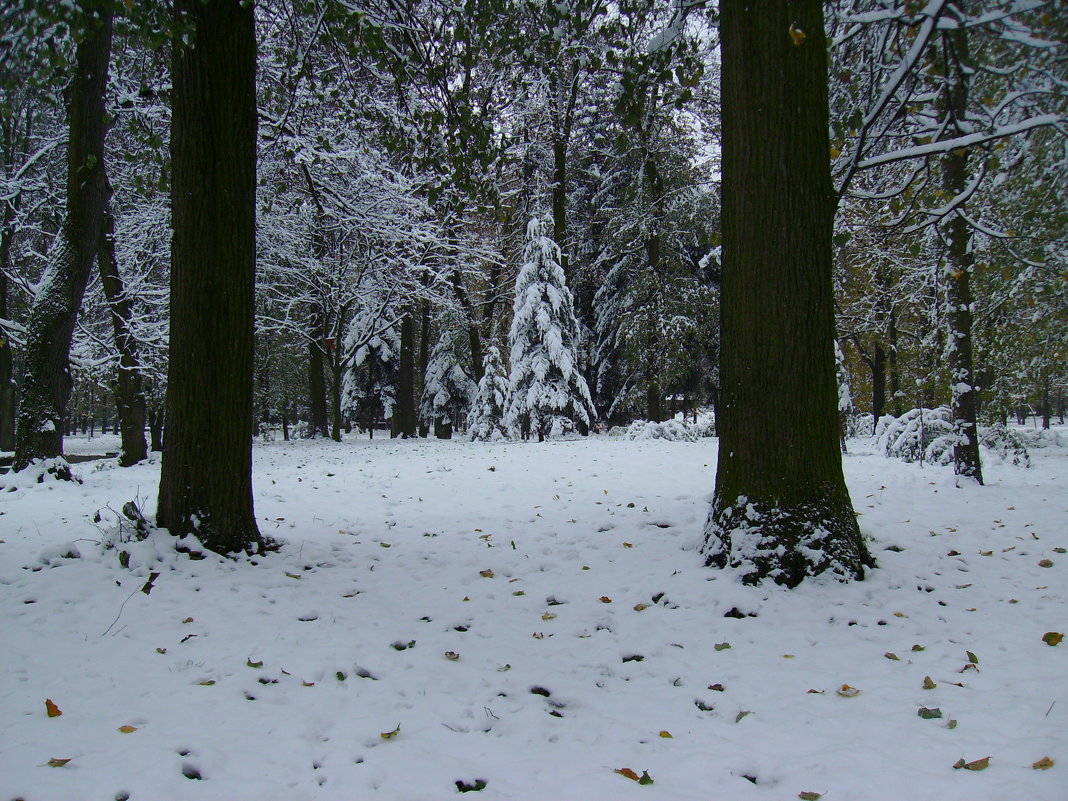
x=448 y=390
x=549 y=394
x=491 y=402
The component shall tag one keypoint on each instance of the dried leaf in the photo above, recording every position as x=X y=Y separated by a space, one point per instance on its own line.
x=788 y=656
x=1045 y=563
x=978 y=764
x=208 y=683
x=55 y=762
x=308 y=683
x=640 y=607
x=807 y=796
x=161 y=650
x=127 y=729
x=893 y=656
x=630 y=774
x=928 y=683
x=722 y=646
x=188 y=620
x=741 y=714
x=605 y=599
x=797 y=34
x=628 y=544
x=52 y=710
x=452 y=656
x=848 y=692
x=646 y=778
x=929 y=713
x=389 y=735
x=918 y=648
x=952 y=724
x=251 y=664
x=486 y=573
x=1043 y=764
x=717 y=687
x=548 y=616
x=1052 y=638
x=666 y=734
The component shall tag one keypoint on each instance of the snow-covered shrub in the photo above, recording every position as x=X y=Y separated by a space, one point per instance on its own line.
x=673 y=430
x=549 y=396
x=491 y=401
x=1006 y=443
x=1039 y=437
x=919 y=433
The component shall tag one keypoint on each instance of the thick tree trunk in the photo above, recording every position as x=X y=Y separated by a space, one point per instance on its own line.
x=957 y=279
x=46 y=382
x=781 y=508
x=403 y=422
x=129 y=390
x=206 y=479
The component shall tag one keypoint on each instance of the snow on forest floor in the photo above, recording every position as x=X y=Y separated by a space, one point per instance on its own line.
x=535 y=617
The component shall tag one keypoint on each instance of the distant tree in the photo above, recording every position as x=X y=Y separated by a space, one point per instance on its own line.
x=549 y=396
x=781 y=509
x=448 y=389
x=206 y=480
x=487 y=420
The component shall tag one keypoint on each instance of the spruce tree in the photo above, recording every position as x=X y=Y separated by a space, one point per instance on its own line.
x=549 y=396
x=491 y=402
x=448 y=390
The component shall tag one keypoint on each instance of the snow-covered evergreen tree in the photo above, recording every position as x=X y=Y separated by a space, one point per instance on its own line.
x=487 y=420
x=369 y=385
x=549 y=394
x=448 y=389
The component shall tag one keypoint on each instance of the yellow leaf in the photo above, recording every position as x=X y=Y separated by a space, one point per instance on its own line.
x=486 y=573
x=188 y=620
x=666 y=734
x=630 y=774
x=797 y=34
x=628 y=544
x=127 y=729
x=57 y=763
x=640 y=607
x=52 y=709
x=548 y=616
x=389 y=735
x=1052 y=638
x=208 y=683
x=978 y=764
x=848 y=692
x=928 y=683
x=1043 y=764
x=787 y=656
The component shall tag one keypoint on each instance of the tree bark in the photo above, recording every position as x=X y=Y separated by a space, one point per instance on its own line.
x=206 y=479
x=316 y=380
x=781 y=509
x=7 y=373
x=46 y=381
x=957 y=280
x=129 y=389
x=403 y=423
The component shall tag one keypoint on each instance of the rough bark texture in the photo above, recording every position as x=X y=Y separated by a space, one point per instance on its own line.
x=129 y=389
x=206 y=480
x=46 y=381
x=781 y=509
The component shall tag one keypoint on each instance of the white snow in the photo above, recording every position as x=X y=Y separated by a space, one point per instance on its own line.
x=570 y=567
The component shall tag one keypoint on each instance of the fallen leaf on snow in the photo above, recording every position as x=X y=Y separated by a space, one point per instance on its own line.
x=55 y=762
x=928 y=683
x=1052 y=638
x=666 y=734
x=630 y=774
x=978 y=764
x=389 y=735
x=452 y=656
x=486 y=573
x=807 y=796
x=640 y=607
x=722 y=646
x=605 y=599
x=1043 y=764
x=848 y=692
x=127 y=729
x=52 y=710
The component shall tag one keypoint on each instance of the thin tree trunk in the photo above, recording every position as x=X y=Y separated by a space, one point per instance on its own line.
x=206 y=478
x=129 y=390
x=7 y=376
x=424 y=355
x=47 y=382
x=403 y=423
x=781 y=509
x=878 y=384
x=316 y=380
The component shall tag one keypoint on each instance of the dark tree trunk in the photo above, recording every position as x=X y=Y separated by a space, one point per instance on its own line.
x=424 y=355
x=878 y=384
x=559 y=192
x=206 y=479
x=781 y=508
x=7 y=375
x=47 y=382
x=129 y=390
x=155 y=428
x=316 y=381
x=335 y=397
x=403 y=423
x=1046 y=410
x=957 y=278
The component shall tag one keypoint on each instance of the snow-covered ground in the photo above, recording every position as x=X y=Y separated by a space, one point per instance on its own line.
x=534 y=617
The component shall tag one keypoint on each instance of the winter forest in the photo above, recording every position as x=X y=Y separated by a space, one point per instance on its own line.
x=550 y=400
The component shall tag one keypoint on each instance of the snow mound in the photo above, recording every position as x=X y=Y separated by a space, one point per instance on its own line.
x=673 y=430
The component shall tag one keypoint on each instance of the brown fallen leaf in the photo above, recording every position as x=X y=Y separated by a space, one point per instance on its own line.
x=978 y=764
x=605 y=599
x=848 y=692
x=55 y=762
x=1052 y=638
x=928 y=683
x=389 y=735
x=52 y=710
x=1043 y=764
x=127 y=729
x=630 y=774
x=452 y=656
x=486 y=573
x=807 y=796
x=640 y=607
